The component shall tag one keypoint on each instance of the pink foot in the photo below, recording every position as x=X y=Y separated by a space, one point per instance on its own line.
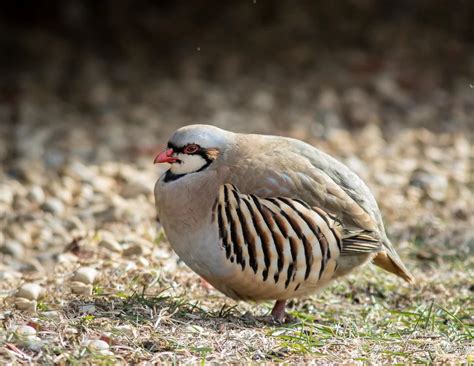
x=278 y=311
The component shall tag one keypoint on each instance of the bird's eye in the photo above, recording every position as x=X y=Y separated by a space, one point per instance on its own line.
x=191 y=149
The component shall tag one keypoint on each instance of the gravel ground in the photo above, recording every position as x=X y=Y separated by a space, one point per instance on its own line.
x=86 y=272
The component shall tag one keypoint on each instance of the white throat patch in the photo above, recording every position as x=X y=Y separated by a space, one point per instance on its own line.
x=189 y=164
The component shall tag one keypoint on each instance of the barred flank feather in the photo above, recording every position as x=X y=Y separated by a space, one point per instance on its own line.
x=284 y=239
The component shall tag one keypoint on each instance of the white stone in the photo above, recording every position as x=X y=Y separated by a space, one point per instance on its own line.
x=6 y=195
x=9 y=275
x=80 y=288
x=87 y=192
x=36 y=195
x=51 y=314
x=33 y=343
x=70 y=330
x=169 y=266
x=143 y=262
x=53 y=205
x=129 y=266
x=85 y=275
x=88 y=309
x=30 y=291
x=13 y=248
x=25 y=331
x=111 y=245
x=82 y=172
x=97 y=345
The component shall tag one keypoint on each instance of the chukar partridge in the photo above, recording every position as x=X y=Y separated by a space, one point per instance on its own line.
x=266 y=217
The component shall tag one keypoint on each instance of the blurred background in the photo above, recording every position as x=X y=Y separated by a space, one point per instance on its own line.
x=90 y=90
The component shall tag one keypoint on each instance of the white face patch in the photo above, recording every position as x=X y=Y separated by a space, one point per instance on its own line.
x=189 y=164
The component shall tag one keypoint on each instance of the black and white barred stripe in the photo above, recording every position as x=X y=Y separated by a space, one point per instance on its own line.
x=278 y=239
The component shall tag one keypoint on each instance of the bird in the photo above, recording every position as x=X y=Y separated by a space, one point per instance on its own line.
x=265 y=217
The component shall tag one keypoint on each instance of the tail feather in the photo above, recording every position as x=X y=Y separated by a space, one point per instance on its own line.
x=359 y=242
x=389 y=260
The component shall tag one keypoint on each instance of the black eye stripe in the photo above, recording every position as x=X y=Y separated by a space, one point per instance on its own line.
x=173 y=146
x=201 y=151
x=180 y=149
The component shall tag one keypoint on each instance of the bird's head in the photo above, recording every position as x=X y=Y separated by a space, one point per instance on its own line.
x=193 y=149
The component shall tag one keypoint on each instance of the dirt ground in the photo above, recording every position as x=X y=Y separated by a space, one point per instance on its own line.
x=85 y=105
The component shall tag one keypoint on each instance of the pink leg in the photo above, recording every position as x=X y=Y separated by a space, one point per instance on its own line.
x=278 y=312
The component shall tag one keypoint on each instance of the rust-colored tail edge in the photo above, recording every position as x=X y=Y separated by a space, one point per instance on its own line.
x=393 y=265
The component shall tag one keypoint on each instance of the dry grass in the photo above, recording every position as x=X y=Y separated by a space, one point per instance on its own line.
x=158 y=313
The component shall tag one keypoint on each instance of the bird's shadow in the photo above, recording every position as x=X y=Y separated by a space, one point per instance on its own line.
x=144 y=309
x=150 y=309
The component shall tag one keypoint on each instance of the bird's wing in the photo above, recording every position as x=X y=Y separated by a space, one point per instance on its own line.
x=294 y=169
x=289 y=174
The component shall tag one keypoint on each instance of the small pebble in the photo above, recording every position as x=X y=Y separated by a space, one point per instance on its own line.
x=434 y=185
x=9 y=275
x=144 y=243
x=30 y=291
x=33 y=343
x=88 y=309
x=6 y=195
x=83 y=172
x=143 y=262
x=133 y=249
x=13 y=248
x=74 y=223
x=36 y=195
x=24 y=237
x=193 y=328
x=70 y=330
x=98 y=345
x=54 y=206
x=111 y=245
x=169 y=266
x=81 y=288
x=85 y=275
x=128 y=266
x=25 y=331
x=51 y=314
x=27 y=337
x=24 y=304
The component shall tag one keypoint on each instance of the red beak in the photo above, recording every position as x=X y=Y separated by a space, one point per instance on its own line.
x=165 y=156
